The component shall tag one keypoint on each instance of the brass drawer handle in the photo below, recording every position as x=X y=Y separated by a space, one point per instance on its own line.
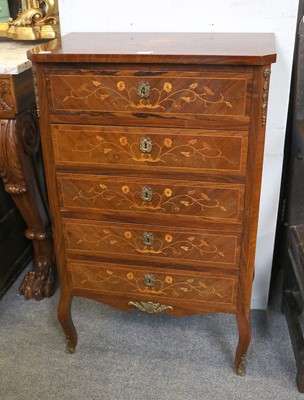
x=145 y=145
x=143 y=90
x=146 y=193
x=149 y=307
x=148 y=238
x=149 y=280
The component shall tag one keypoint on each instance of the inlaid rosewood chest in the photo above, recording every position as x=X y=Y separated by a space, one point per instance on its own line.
x=153 y=148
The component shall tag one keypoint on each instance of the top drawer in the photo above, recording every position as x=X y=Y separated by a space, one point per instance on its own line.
x=158 y=95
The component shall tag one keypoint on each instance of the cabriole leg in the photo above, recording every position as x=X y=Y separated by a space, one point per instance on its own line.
x=243 y=344
x=65 y=319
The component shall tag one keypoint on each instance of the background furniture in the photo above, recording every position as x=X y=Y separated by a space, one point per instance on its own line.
x=15 y=249
x=153 y=150
x=4 y=11
x=292 y=251
x=19 y=145
x=31 y=20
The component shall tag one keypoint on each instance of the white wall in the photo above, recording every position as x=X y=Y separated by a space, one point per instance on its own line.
x=277 y=16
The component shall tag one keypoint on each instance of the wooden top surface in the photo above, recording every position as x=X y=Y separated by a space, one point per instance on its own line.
x=181 y=48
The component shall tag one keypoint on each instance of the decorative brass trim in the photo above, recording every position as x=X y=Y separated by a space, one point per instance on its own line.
x=146 y=193
x=149 y=280
x=241 y=367
x=149 y=307
x=148 y=238
x=143 y=90
x=266 y=75
x=145 y=145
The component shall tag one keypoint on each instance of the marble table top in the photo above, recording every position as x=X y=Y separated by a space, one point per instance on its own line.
x=13 y=58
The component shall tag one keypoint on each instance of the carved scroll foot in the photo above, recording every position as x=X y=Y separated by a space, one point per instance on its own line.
x=243 y=344
x=65 y=319
x=19 y=144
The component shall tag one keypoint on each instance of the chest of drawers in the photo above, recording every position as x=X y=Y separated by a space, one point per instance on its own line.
x=153 y=148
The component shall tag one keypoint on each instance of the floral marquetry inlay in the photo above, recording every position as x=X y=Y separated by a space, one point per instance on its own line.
x=183 y=286
x=208 y=200
x=176 y=97
x=163 y=152
x=210 y=150
x=127 y=240
x=161 y=199
x=160 y=246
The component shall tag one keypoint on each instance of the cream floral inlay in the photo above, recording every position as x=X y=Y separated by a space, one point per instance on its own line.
x=161 y=246
x=159 y=201
x=171 y=286
x=167 y=95
x=161 y=152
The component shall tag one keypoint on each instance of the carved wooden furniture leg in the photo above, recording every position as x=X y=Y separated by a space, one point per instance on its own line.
x=19 y=143
x=65 y=319
x=244 y=341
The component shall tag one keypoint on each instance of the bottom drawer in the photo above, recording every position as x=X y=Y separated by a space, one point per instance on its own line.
x=138 y=283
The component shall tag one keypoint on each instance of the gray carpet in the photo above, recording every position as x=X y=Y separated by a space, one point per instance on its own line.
x=131 y=356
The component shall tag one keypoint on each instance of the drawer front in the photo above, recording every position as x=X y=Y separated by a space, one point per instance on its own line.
x=151 y=243
x=222 y=202
x=194 y=287
x=150 y=148
x=137 y=93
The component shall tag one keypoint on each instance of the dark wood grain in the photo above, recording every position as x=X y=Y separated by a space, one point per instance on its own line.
x=19 y=147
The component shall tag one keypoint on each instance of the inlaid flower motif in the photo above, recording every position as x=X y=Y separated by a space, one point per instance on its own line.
x=209 y=91
x=167 y=87
x=128 y=234
x=130 y=276
x=169 y=279
x=168 y=238
x=121 y=86
x=123 y=140
x=167 y=142
x=168 y=192
x=125 y=189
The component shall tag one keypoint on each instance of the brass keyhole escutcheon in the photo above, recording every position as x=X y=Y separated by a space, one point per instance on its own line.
x=146 y=193
x=145 y=144
x=149 y=280
x=148 y=238
x=143 y=90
